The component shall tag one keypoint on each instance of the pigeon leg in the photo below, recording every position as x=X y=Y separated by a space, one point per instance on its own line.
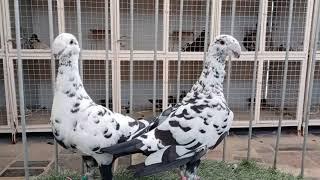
x=106 y=172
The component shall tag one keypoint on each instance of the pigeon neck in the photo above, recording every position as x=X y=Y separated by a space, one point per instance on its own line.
x=212 y=76
x=68 y=77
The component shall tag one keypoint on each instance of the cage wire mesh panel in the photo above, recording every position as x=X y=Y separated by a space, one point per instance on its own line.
x=315 y=100
x=240 y=88
x=37 y=90
x=143 y=25
x=94 y=81
x=34 y=23
x=272 y=89
x=193 y=25
x=142 y=87
x=277 y=25
x=189 y=74
x=245 y=22
x=92 y=22
x=3 y=110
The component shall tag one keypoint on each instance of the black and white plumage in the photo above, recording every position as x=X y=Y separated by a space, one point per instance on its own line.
x=78 y=123
x=182 y=134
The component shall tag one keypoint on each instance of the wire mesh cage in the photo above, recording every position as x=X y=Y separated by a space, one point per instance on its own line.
x=245 y=22
x=38 y=93
x=271 y=90
x=241 y=79
x=277 y=25
x=34 y=26
x=193 y=25
x=143 y=25
x=93 y=20
x=3 y=110
x=142 y=87
x=96 y=83
x=190 y=72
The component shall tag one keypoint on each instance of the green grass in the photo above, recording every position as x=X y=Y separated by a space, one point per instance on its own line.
x=208 y=170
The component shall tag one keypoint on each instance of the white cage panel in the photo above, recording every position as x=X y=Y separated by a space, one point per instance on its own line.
x=142 y=87
x=272 y=84
x=38 y=93
x=94 y=81
x=3 y=110
x=34 y=23
x=277 y=25
x=240 y=88
x=193 y=25
x=315 y=100
x=143 y=25
x=245 y=22
x=92 y=23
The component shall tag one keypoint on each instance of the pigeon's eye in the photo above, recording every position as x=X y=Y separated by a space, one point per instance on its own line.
x=71 y=42
x=222 y=42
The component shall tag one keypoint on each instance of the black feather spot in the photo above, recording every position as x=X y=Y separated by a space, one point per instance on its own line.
x=177 y=124
x=224 y=126
x=71 y=94
x=184 y=115
x=199 y=108
x=74 y=110
x=122 y=139
x=117 y=126
x=215 y=126
x=174 y=123
x=141 y=125
x=76 y=105
x=166 y=137
x=225 y=120
x=107 y=136
x=57 y=120
x=73 y=146
x=105 y=131
x=97 y=121
x=219 y=133
x=96 y=148
x=144 y=136
x=202 y=131
x=56 y=132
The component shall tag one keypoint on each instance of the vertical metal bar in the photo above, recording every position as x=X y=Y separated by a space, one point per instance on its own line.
x=206 y=31
x=284 y=81
x=309 y=84
x=53 y=75
x=106 y=34
x=79 y=36
x=179 y=50
x=254 y=78
x=229 y=74
x=155 y=56
x=80 y=58
x=21 y=90
x=268 y=61
x=131 y=58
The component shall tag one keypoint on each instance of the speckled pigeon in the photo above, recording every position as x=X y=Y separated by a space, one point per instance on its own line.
x=78 y=123
x=182 y=134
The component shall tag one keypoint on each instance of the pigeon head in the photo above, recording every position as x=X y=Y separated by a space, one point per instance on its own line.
x=65 y=45
x=225 y=45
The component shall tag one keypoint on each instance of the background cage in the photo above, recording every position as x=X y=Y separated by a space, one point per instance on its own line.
x=112 y=76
